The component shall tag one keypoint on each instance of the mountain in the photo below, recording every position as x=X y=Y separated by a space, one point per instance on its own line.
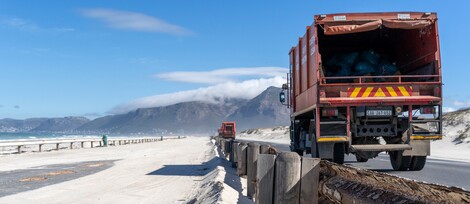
x=263 y=111
x=188 y=117
x=64 y=125
x=196 y=117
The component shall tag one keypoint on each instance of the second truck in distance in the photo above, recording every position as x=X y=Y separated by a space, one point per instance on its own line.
x=228 y=130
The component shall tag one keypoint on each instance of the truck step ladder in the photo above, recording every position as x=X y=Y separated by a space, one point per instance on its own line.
x=379 y=147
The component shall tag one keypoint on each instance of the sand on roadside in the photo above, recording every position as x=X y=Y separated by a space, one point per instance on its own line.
x=158 y=172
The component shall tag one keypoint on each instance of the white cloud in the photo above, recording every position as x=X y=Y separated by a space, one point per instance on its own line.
x=461 y=103
x=453 y=105
x=448 y=109
x=213 y=94
x=64 y=29
x=134 y=21
x=20 y=24
x=29 y=26
x=222 y=75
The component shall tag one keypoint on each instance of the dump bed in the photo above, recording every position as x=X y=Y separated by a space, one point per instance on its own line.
x=356 y=59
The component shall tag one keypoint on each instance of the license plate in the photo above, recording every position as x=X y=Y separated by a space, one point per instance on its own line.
x=379 y=112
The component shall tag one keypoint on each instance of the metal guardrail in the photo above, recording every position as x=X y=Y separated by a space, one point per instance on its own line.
x=111 y=141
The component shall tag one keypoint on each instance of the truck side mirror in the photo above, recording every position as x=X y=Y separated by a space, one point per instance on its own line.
x=285 y=87
x=282 y=97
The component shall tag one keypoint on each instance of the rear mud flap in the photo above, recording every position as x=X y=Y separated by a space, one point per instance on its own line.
x=325 y=150
x=419 y=148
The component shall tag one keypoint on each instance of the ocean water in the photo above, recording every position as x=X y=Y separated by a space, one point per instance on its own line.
x=40 y=136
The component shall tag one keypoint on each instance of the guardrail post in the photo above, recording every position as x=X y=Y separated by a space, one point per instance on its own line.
x=310 y=174
x=265 y=179
x=91 y=144
x=222 y=146
x=264 y=149
x=71 y=145
x=161 y=138
x=287 y=181
x=252 y=159
x=57 y=146
x=19 y=149
x=234 y=153
x=241 y=163
x=227 y=147
x=40 y=147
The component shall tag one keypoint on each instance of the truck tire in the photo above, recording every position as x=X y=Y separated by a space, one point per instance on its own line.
x=417 y=163
x=398 y=161
x=338 y=153
x=314 y=148
x=361 y=159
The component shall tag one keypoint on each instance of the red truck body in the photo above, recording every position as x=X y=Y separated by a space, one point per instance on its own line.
x=321 y=101
x=228 y=130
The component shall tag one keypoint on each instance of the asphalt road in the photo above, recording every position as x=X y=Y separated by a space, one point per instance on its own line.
x=443 y=172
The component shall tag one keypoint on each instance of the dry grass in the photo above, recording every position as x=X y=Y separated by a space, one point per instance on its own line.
x=55 y=173
x=95 y=165
x=33 y=179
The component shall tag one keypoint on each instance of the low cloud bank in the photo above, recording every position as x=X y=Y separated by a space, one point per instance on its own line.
x=247 y=89
x=222 y=75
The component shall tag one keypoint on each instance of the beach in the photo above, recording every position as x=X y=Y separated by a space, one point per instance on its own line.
x=168 y=171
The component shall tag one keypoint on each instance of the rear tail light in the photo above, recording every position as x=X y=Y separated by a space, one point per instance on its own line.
x=427 y=110
x=329 y=112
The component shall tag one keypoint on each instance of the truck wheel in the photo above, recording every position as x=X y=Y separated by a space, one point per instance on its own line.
x=338 y=153
x=314 y=148
x=417 y=163
x=361 y=159
x=398 y=161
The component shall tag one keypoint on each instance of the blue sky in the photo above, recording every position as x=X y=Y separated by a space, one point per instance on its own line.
x=93 y=58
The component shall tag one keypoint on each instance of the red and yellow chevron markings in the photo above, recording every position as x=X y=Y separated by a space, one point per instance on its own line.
x=387 y=91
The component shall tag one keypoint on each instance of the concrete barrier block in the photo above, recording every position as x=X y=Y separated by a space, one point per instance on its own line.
x=241 y=163
x=287 y=181
x=252 y=159
x=265 y=179
x=310 y=174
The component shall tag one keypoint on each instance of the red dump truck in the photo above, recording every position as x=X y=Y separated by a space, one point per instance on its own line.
x=365 y=83
x=228 y=130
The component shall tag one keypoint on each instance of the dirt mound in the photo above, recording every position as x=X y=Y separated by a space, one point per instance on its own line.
x=347 y=185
